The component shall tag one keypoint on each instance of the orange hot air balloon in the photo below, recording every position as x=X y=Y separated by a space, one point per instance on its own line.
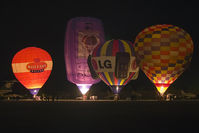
x=164 y=52
x=32 y=67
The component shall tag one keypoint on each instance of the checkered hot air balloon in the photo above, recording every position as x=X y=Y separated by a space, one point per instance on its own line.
x=111 y=67
x=32 y=67
x=164 y=52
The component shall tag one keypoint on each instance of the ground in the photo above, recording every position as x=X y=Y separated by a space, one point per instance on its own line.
x=99 y=116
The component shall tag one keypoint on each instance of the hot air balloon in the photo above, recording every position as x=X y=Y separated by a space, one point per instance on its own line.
x=83 y=34
x=115 y=64
x=164 y=52
x=32 y=67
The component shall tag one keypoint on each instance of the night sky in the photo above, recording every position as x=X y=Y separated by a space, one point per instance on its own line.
x=43 y=24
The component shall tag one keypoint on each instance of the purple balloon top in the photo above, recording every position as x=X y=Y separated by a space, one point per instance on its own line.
x=83 y=34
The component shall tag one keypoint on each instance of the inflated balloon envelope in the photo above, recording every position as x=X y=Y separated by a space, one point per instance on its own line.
x=164 y=52
x=115 y=63
x=83 y=34
x=32 y=67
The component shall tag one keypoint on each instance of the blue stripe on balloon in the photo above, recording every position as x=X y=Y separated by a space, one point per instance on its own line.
x=121 y=46
x=119 y=81
x=105 y=78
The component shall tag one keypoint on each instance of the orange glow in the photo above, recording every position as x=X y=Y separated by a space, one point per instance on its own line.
x=32 y=67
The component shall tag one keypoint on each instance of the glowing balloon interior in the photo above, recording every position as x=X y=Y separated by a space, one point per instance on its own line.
x=164 y=52
x=83 y=34
x=32 y=67
x=84 y=88
x=115 y=63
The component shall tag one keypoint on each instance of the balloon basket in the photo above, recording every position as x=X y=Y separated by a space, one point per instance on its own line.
x=161 y=97
x=84 y=97
x=36 y=98
x=116 y=97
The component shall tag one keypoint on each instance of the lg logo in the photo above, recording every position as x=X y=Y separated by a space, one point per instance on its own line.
x=105 y=64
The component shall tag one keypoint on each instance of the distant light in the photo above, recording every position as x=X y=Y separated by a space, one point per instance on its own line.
x=84 y=88
x=35 y=90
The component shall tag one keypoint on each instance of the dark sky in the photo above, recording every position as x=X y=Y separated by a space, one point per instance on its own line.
x=43 y=24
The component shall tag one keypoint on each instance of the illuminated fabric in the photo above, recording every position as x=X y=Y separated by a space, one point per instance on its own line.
x=108 y=52
x=32 y=67
x=83 y=34
x=164 y=52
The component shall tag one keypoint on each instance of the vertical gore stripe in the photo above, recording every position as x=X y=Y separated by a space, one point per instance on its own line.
x=115 y=79
x=109 y=49
x=130 y=76
x=122 y=81
x=127 y=47
x=115 y=47
x=121 y=47
x=102 y=76
x=96 y=50
x=108 y=78
x=103 y=49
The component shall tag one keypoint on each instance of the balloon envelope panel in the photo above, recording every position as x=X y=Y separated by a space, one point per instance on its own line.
x=104 y=63
x=83 y=34
x=32 y=67
x=164 y=51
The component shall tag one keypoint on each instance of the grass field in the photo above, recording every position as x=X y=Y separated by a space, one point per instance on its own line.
x=99 y=116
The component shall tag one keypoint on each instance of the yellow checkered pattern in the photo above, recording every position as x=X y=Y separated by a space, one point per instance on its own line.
x=163 y=51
